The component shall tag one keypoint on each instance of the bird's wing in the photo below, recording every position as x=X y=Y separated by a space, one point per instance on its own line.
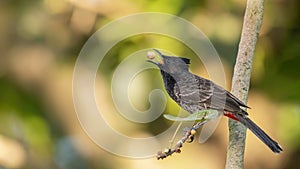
x=232 y=103
x=193 y=90
x=209 y=95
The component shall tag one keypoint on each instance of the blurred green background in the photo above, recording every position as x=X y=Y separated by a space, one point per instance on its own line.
x=39 y=44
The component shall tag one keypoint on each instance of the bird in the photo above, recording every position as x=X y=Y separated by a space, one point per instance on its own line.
x=194 y=93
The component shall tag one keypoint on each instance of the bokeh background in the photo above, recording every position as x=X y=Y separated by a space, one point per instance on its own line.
x=41 y=39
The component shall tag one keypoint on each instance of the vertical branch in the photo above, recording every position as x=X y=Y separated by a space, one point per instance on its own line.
x=241 y=80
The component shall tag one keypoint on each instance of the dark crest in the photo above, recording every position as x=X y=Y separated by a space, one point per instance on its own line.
x=185 y=60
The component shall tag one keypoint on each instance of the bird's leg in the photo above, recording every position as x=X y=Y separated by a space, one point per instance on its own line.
x=205 y=108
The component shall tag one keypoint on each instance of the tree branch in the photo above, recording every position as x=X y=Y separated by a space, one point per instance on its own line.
x=187 y=137
x=241 y=80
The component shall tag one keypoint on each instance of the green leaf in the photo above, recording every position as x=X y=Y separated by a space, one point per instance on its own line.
x=212 y=114
x=201 y=115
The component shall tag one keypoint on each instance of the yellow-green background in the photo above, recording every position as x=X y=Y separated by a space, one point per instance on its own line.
x=39 y=44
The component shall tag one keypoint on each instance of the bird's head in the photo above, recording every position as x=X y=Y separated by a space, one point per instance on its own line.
x=169 y=64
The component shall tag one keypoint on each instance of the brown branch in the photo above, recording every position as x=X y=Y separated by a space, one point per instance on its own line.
x=187 y=137
x=241 y=80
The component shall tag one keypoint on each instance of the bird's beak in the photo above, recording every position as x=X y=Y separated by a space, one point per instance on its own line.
x=158 y=52
x=156 y=60
x=151 y=61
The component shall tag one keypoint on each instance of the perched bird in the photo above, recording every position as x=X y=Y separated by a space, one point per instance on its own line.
x=194 y=93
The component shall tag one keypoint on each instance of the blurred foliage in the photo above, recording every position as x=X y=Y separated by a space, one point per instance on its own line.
x=39 y=44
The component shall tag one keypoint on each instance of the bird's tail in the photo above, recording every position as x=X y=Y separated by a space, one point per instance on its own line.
x=273 y=145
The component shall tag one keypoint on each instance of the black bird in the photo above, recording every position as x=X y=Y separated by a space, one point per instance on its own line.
x=194 y=93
